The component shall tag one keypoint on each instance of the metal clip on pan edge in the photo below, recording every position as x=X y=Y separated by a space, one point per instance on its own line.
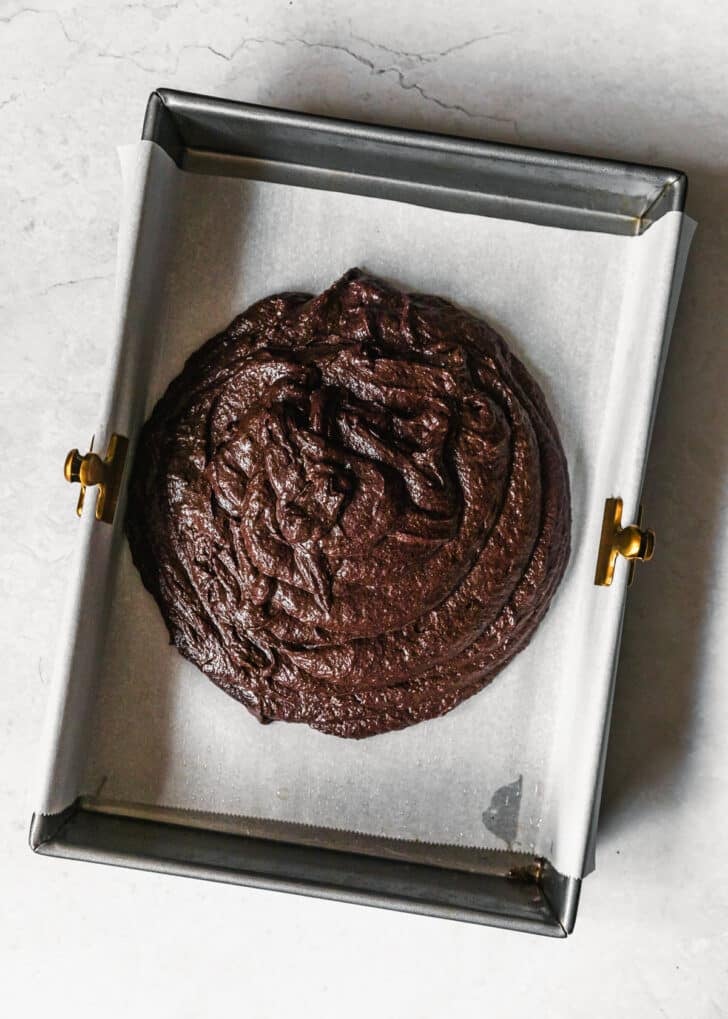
x=633 y=543
x=90 y=469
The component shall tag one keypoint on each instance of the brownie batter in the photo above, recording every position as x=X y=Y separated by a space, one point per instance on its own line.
x=352 y=509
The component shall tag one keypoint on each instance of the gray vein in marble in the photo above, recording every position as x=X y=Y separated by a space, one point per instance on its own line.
x=430 y=56
x=63 y=284
x=76 y=282
x=130 y=58
x=39 y=10
x=148 y=7
x=373 y=68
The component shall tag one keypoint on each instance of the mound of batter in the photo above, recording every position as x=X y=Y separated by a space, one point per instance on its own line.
x=352 y=509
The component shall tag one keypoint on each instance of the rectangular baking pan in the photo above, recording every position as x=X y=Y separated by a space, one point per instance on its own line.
x=213 y=136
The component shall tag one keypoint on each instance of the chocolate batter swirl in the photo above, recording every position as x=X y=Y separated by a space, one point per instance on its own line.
x=352 y=509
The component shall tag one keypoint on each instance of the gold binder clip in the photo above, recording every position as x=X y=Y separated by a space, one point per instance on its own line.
x=92 y=470
x=632 y=542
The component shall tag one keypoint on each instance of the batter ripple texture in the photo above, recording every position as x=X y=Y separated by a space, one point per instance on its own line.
x=352 y=509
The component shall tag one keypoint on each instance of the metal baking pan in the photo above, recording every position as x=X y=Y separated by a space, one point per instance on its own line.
x=213 y=136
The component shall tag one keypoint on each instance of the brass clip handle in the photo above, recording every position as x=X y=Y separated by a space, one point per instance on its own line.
x=632 y=542
x=90 y=469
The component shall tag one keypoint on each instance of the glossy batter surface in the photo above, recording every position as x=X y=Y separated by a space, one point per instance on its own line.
x=352 y=509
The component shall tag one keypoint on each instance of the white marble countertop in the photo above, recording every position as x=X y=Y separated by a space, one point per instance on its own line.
x=631 y=80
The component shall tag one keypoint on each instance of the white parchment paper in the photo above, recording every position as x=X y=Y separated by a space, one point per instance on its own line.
x=516 y=765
